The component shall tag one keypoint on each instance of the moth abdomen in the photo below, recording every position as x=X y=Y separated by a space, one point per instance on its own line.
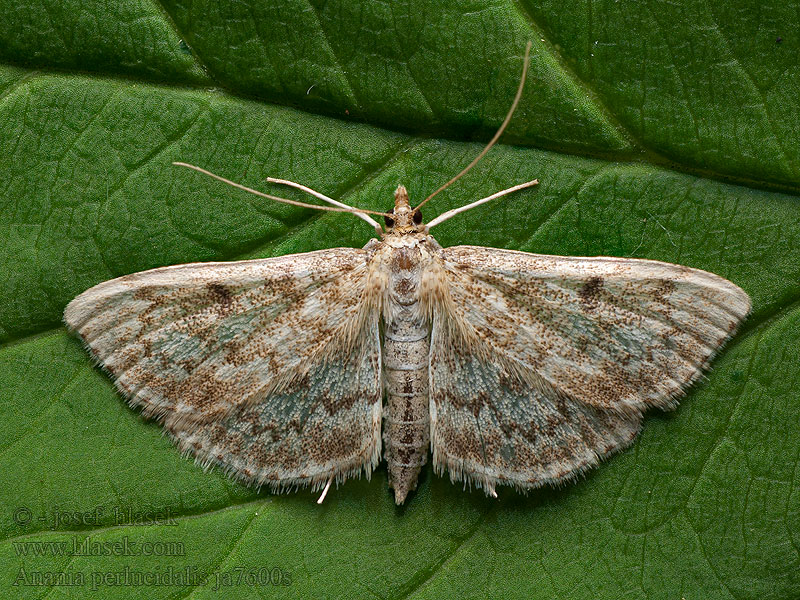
x=406 y=431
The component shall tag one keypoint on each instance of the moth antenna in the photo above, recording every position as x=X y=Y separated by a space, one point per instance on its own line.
x=525 y=64
x=338 y=208
x=452 y=213
x=325 y=491
x=490 y=489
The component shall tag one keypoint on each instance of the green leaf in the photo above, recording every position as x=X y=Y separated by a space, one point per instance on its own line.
x=667 y=131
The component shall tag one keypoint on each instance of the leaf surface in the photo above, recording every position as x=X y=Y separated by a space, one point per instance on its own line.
x=661 y=131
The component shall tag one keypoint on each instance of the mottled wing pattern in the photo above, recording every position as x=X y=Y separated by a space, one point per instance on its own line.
x=541 y=365
x=246 y=362
x=324 y=423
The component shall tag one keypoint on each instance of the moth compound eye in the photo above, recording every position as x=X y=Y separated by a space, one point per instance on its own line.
x=389 y=221
x=417 y=217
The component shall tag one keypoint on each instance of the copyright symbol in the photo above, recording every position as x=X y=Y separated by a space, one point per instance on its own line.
x=22 y=516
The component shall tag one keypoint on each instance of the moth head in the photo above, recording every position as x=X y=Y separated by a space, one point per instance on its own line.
x=404 y=219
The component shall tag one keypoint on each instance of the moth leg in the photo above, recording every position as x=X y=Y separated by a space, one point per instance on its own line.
x=325 y=491
x=489 y=489
x=452 y=213
x=324 y=198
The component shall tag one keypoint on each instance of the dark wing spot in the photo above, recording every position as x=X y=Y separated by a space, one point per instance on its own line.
x=590 y=292
x=665 y=287
x=219 y=293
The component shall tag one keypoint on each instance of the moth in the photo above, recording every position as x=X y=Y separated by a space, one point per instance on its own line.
x=515 y=369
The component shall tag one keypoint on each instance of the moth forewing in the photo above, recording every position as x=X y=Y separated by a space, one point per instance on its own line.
x=270 y=368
